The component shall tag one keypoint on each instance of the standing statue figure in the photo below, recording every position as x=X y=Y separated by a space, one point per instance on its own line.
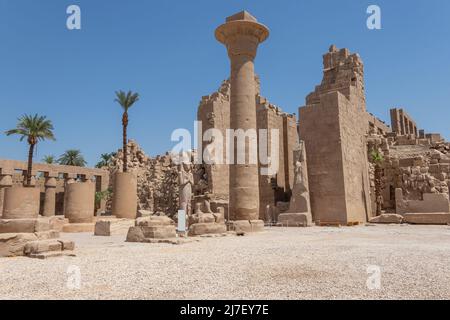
x=186 y=182
x=300 y=202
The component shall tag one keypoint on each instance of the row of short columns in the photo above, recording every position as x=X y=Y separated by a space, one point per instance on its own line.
x=49 y=209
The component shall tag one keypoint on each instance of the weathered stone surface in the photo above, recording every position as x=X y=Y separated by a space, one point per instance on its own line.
x=144 y=213
x=202 y=218
x=135 y=234
x=247 y=225
x=124 y=203
x=113 y=227
x=79 y=227
x=57 y=223
x=387 y=218
x=40 y=224
x=427 y=218
x=17 y=225
x=79 y=202
x=294 y=219
x=154 y=221
x=431 y=202
x=45 y=235
x=141 y=233
x=13 y=244
x=21 y=203
x=159 y=232
x=67 y=244
x=333 y=125
x=40 y=246
x=206 y=228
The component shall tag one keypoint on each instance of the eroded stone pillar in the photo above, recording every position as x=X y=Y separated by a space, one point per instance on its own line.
x=5 y=182
x=124 y=204
x=79 y=202
x=242 y=34
x=21 y=202
x=50 y=196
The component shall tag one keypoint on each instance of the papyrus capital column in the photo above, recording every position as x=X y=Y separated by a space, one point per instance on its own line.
x=241 y=34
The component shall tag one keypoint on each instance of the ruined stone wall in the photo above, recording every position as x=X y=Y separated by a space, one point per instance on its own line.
x=214 y=112
x=157 y=179
x=417 y=169
x=333 y=125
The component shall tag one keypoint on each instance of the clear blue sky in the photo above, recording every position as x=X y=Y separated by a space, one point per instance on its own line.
x=166 y=51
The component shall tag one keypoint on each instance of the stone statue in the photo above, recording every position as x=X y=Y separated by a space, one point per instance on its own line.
x=186 y=181
x=299 y=212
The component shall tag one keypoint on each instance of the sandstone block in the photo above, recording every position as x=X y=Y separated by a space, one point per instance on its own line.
x=159 y=232
x=13 y=244
x=79 y=227
x=67 y=244
x=427 y=218
x=17 y=225
x=45 y=235
x=135 y=234
x=247 y=225
x=57 y=223
x=206 y=228
x=40 y=246
x=113 y=227
x=387 y=218
x=154 y=221
x=293 y=219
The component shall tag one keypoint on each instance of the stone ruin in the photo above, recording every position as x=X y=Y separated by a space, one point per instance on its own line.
x=157 y=180
x=415 y=176
x=327 y=173
x=337 y=135
x=60 y=199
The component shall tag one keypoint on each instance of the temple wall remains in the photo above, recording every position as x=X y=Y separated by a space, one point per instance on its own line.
x=333 y=125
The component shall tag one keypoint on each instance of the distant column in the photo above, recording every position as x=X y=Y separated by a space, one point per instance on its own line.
x=5 y=182
x=50 y=196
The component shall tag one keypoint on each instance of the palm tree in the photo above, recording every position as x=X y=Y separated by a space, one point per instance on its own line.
x=105 y=159
x=126 y=100
x=378 y=159
x=49 y=159
x=34 y=128
x=72 y=157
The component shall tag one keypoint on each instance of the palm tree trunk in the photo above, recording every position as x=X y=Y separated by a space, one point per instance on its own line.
x=30 y=166
x=125 y=142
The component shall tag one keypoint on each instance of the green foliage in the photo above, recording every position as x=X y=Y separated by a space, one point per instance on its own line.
x=102 y=195
x=72 y=157
x=126 y=100
x=33 y=128
x=49 y=159
x=105 y=159
x=377 y=157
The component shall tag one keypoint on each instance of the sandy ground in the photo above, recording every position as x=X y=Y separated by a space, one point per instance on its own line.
x=280 y=263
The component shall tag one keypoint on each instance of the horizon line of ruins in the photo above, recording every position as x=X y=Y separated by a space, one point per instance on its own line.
x=338 y=164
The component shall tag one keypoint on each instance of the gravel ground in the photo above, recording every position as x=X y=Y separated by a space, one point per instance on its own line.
x=279 y=263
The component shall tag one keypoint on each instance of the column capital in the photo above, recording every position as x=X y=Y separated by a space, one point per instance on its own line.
x=6 y=181
x=242 y=34
x=50 y=182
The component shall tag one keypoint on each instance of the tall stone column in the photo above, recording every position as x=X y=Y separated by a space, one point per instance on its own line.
x=50 y=196
x=242 y=34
